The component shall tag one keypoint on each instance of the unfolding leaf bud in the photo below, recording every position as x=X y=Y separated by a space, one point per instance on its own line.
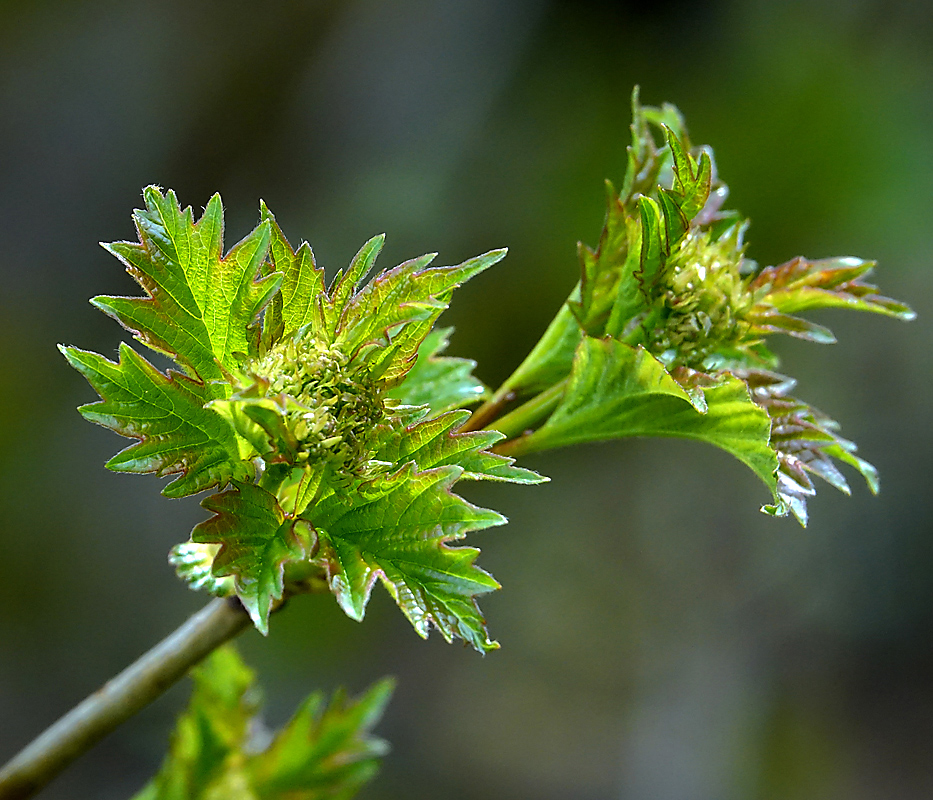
x=329 y=407
x=704 y=299
x=193 y=564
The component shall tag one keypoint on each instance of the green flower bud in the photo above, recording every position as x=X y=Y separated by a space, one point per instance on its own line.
x=329 y=407
x=703 y=298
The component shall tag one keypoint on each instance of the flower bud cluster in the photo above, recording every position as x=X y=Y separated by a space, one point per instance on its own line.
x=330 y=406
x=705 y=300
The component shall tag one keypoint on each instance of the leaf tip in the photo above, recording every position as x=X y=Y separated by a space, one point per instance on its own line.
x=101 y=303
x=781 y=508
x=258 y=615
x=497 y=255
x=153 y=190
x=822 y=335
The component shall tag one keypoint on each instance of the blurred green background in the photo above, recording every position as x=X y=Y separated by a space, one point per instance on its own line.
x=661 y=638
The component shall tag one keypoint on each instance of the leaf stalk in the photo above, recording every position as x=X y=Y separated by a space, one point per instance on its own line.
x=526 y=416
x=489 y=410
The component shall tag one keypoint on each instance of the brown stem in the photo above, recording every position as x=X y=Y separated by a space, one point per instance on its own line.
x=487 y=412
x=120 y=698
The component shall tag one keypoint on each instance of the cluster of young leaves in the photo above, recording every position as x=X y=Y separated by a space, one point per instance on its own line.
x=221 y=748
x=665 y=333
x=324 y=416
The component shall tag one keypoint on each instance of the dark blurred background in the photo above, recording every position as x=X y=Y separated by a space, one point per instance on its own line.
x=661 y=638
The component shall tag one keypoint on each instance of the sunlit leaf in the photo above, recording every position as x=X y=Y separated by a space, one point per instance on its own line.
x=617 y=391
x=439 y=382
x=398 y=308
x=436 y=442
x=302 y=284
x=201 y=305
x=398 y=532
x=256 y=542
x=177 y=435
x=801 y=285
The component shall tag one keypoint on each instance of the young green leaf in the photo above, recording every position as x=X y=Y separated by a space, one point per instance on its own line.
x=177 y=434
x=398 y=532
x=220 y=750
x=655 y=247
x=800 y=285
x=601 y=269
x=437 y=442
x=257 y=541
x=209 y=736
x=692 y=180
x=194 y=565
x=302 y=284
x=398 y=526
x=616 y=391
x=440 y=382
x=325 y=751
x=647 y=162
x=201 y=305
x=384 y=324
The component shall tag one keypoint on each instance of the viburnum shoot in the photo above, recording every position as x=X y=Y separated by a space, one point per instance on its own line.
x=329 y=474
x=331 y=430
x=665 y=334
x=327 y=420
